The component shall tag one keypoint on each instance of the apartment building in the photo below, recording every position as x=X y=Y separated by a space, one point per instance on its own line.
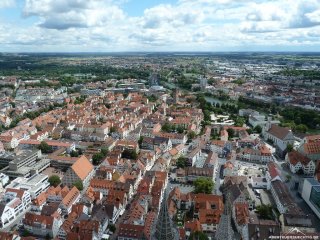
x=13 y=203
x=35 y=185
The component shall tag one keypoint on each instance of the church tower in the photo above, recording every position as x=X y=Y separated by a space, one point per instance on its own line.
x=224 y=229
x=164 y=229
x=176 y=95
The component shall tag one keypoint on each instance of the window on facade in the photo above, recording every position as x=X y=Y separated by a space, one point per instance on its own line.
x=315 y=197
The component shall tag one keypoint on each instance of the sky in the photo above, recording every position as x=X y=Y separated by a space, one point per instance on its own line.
x=159 y=25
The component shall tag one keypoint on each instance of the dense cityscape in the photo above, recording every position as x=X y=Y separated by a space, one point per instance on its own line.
x=159 y=119
x=160 y=146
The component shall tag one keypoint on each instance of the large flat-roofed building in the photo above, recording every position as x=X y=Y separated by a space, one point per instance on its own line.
x=25 y=164
x=35 y=185
x=5 y=158
x=299 y=220
x=26 y=158
x=311 y=194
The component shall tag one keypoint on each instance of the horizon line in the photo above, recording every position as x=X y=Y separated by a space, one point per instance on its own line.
x=148 y=52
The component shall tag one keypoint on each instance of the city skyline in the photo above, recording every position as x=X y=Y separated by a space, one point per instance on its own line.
x=155 y=26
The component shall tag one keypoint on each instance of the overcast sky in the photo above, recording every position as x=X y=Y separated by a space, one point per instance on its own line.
x=159 y=25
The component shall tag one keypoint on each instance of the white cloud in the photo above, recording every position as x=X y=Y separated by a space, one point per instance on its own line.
x=62 y=14
x=208 y=25
x=279 y=15
x=7 y=3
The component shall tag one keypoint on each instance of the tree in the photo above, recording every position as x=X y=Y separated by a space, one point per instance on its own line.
x=78 y=185
x=26 y=233
x=288 y=177
x=80 y=151
x=80 y=99
x=203 y=185
x=130 y=154
x=180 y=129
x=140 y=141
x=104 y=151
x=181 y=162
x=152 y=98
x=289 y=148
x=265 y=211
x=192 y=135
x=301 y=128
x=230 y=132
x=44 y=147
x=258 y=129
x=113 y=129
x=166 y=127
x=97 y=158
x=239 y=121
x=198 y=236
x=54 y=180
x=74 y=153
x=112 y=228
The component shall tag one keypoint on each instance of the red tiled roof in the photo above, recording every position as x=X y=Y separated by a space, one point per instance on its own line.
x=295 y=157
x=32 y=219
x=70 y=198
x=279 y=132
x=312 y=147
x=193 y=226
x=19 y=192
x=131 y=231
x=41 y=199
x=82 y=167
x=242 y=213
x=273 y=171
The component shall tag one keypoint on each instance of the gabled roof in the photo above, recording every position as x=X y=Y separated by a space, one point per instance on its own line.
x=32 y=219
x=312 y=147
x=295 y=157
x=82 y=167
x=131 y=231
x=284 y=195
x=149 y=221
x=8 y=236
x=71 y=197
x=49 y=209
x=279 y=132
x=230 y=180
x=273 y=171
x=242 y=213
x=41 y=199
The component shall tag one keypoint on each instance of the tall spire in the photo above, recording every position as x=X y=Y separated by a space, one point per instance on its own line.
x=164 y=228
x=224 y=229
